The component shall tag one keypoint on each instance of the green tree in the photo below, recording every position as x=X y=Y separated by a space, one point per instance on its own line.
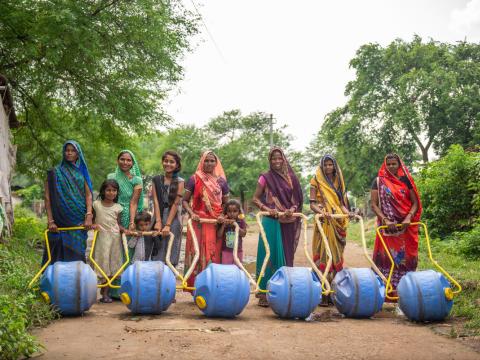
x=188 y=140
x=96 y=70
x=409 y=97
x=243 y=143
x=450 y=191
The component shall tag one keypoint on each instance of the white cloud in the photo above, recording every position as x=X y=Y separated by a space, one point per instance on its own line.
x=466 y=21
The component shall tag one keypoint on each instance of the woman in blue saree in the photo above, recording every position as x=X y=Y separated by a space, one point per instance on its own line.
x=68 y=201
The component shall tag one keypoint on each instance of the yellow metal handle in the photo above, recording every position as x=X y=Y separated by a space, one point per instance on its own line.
x=197 y=253
x=427 y=238
x=124 y=265
x=267 y=249
x=265 y=242
x=49 y=255
x=326 y=288
x=95 y=265
x=237 y=260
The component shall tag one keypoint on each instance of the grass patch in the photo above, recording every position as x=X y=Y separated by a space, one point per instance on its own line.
x=465 y=270
x=21 y=308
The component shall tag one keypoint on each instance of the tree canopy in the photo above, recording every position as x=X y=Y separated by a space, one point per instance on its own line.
x=408 y=97
x=241 y=142
x=94 y=70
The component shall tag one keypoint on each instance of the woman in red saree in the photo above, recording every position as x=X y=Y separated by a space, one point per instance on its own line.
x=208 y=191
x=395 y=200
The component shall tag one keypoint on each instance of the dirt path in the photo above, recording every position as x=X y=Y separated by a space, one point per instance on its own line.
x=110 y=331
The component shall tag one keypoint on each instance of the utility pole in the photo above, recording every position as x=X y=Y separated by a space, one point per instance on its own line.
x=271 y=130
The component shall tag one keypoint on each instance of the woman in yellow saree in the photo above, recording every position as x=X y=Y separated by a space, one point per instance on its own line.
x=328 y=196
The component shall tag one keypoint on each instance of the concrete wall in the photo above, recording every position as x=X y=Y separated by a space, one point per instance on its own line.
x=7 y=163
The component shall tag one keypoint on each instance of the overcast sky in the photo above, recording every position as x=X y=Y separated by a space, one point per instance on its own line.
x=290 y=58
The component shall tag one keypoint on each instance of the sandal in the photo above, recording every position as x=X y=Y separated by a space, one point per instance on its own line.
x=263 y=302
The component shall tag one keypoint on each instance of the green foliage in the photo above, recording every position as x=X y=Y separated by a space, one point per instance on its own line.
x=406 y=97
x=468 y=243
x=465 y=271
x=27 y=226
x=31 y=193
x=449 y=255
x=94 y=71
x=188 y=140
x=449 y=191
x=21 y=308
x=14 y=339
x=241 y=142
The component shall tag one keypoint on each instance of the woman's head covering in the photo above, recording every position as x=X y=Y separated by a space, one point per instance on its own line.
x=218 y=171
x=124 y=181
x=279 y=181
x=213 y=191
x=286 y=169
x=80 y=164
x=337 y=184
x=135 y=170
x=385 y=176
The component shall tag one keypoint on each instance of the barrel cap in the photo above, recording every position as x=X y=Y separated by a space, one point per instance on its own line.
x=448 y=293
x=45 y=296
x=125 y=298
x=201 y=302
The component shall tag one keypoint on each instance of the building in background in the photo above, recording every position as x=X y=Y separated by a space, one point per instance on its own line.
x=8 y=120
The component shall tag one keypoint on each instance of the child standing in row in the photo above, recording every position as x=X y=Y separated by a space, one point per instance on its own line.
x=232 y=212
x=140 y=246
x=108 y=246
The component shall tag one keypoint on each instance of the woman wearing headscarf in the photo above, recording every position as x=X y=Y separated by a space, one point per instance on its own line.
x=207 y=190
x=68 y=201
x=328 y=196
x=278 y=190
x=395 y=200
x=129 y=178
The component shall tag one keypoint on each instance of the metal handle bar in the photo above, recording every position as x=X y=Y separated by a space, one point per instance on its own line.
x=49 y=254
x=326 y=288
x=265 y=242
x=448 y=292
x=119 y=271
x=195 y=258
x=364 y=243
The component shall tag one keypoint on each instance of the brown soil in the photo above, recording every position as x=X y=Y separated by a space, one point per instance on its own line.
x=110 y=331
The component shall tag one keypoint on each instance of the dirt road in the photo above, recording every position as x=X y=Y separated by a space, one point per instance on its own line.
x=110 y=331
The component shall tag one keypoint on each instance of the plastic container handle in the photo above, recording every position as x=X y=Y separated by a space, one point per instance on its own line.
x=49 y=255
x=430 y=256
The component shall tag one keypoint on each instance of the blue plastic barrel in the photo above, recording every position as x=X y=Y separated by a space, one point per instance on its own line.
x=221 y=290
x=358 y=292
x=422 y=296
x=147 y=287
x=294 y=292
x=71 y=287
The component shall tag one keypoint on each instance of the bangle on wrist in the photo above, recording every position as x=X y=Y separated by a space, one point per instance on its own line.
x=51 y=221
x=167 y=225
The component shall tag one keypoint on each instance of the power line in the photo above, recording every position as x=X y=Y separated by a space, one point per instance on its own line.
x=208 y=32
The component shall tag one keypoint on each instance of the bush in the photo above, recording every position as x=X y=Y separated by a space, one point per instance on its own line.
x=14 y=338
x=28 y=226
x=33 y=192
x=21 y=308
x=450 y=192
x=468 y=243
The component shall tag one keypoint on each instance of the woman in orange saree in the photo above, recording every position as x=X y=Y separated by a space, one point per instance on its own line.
x=207 y=190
